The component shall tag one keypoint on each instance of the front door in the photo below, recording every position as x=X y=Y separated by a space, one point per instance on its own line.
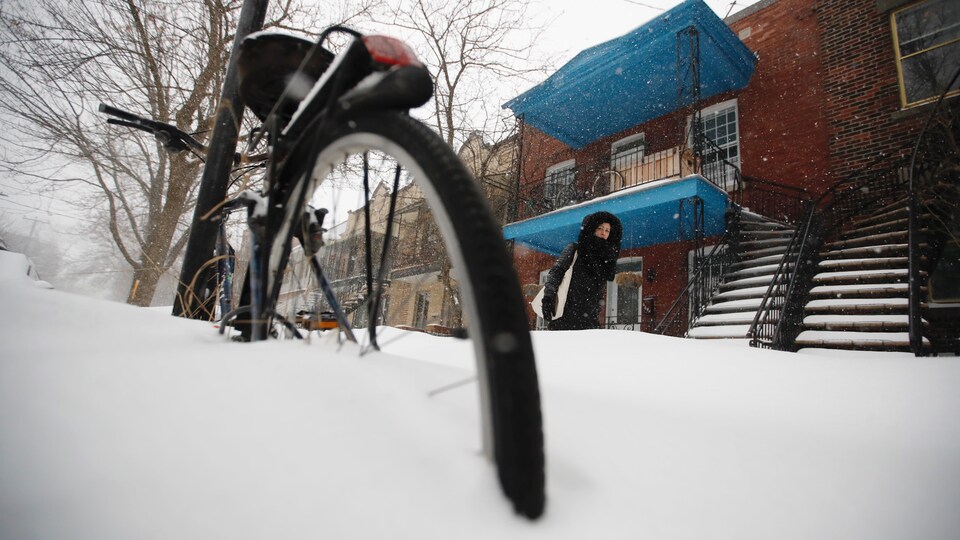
x=624 y=295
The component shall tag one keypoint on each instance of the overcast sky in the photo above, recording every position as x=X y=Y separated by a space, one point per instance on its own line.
x=573 y=25
x=580 y=24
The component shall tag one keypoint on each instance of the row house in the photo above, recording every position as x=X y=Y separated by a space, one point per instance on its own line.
x=420 y=287
x=786 y=176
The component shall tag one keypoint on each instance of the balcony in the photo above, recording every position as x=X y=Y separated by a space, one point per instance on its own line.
x=660 y=197
x=618 y=172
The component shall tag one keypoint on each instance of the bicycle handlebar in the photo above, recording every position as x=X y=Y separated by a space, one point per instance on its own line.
x=173 y=138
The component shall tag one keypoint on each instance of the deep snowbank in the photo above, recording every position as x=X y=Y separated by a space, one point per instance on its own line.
x=120 y=422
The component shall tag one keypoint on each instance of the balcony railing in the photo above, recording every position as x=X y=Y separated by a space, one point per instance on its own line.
x=623 y=170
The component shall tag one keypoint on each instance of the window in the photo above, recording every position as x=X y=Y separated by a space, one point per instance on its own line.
x=926 y=39
x=626 y=158
x=421 y=310
x=542 y=324
x=558 y=185
x=721 y=152
x=623 y=296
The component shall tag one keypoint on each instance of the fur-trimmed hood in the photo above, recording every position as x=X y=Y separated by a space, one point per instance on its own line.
x=592 y=221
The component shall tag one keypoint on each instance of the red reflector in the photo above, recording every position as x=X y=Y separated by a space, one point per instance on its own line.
x=390 y=51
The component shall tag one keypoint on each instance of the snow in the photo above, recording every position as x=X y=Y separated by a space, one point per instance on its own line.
x=891 y=261
x=891 y=287
x=735 y=317
x=893 y=272
x=119 y=422
x=728 y=331
x=847 y=302
x=898 y=319
x=744 y=292
x=853 y=336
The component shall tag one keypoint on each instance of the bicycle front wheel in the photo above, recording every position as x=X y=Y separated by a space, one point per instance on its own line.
x=422 y=249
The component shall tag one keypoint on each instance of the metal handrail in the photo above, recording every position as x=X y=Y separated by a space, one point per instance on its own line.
x=778 y=318
x=766 y=328
x=720 y=256
x=914 y=318
x=773 y=200
x=702 y=283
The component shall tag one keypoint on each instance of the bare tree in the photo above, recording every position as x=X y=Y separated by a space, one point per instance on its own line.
x=472 y=48
x=160 y=58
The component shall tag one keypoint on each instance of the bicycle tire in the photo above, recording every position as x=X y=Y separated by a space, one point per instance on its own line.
x=488 y=283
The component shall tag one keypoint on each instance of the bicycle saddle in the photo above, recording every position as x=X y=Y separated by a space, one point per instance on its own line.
x=268 y=64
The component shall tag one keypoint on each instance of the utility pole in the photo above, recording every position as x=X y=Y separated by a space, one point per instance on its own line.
x=216 y=172
x=33 y=230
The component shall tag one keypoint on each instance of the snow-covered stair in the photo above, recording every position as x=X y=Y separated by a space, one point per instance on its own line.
x=859 y=298
x=734 y=306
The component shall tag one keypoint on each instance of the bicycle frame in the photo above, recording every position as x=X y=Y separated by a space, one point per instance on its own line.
x=371 y=72
x=306 y=126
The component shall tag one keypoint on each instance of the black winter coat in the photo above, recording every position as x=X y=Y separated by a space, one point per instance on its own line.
x=595 y=265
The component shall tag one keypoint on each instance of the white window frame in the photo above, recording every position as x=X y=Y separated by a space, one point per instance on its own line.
x=904 y=103
x=553 y=170
x=713 y=110
x=619 y=149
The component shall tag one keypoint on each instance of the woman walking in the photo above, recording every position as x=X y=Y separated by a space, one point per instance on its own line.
x=593 y=258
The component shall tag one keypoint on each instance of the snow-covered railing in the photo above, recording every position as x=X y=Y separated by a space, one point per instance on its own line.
x=705 y=280
x=779 y=318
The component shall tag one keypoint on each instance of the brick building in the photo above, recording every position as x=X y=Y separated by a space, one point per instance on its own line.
x=687 y=117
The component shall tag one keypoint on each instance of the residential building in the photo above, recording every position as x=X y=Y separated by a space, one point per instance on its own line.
x=420 y=286
x=768 y=134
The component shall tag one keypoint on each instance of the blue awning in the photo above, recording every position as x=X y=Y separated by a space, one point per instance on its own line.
x=633 y=79
x=650 y=213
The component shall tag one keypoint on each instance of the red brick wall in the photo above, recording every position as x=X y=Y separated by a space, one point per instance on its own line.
x=783 y=123
x=822 y=102
x=860 y=79
x=669 y=261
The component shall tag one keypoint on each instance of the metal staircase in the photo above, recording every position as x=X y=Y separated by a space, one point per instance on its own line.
x=859 y=295
x=731 y=310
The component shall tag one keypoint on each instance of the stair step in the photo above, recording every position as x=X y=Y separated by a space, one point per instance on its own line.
x=866 y=252
x=888 y=203
x=893 y=275
x=895 y=237
x=752 y=236
x=716 y=319
x=896 y=224
x=881 y=216
x=893 y=341
x=753 y=281
x=756 y=245
x=763 y=226
x=857 y=305
x=761 y=270
x=864 y=323
x=864 y=290
x=747 y=292
x=731 y=306
x=864 y=264
x=745 y=264
x=719 y=332
x=761 y=254
x=747 y=216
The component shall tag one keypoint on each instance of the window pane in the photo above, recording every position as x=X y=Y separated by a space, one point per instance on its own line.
x=927 y=24
x=926 y=75
x=628 y=303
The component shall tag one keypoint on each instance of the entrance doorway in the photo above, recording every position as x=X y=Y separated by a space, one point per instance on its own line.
x=624 y=298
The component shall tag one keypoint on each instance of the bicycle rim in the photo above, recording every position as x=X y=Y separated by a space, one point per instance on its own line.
x=436 y=262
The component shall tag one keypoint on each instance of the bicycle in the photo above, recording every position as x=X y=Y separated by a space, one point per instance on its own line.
x=325 y=117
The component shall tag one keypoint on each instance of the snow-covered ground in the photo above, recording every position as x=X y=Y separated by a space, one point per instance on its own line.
x=118 y=422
